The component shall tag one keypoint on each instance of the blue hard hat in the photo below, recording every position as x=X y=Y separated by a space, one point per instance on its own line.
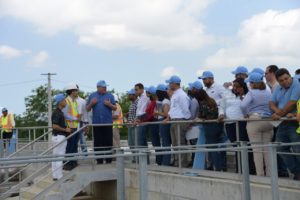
x=174 y=79
x=59 y=97
x=101 y=83
x=4 y=109
x=162 y=87
x=206 y=74
x=197 y=85
x=254 y=78
x=240 y=70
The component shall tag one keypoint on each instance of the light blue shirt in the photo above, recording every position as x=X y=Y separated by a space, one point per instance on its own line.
x=257 y=101
x=282 y=96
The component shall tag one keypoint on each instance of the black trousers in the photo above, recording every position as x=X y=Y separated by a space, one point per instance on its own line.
x=103 y=140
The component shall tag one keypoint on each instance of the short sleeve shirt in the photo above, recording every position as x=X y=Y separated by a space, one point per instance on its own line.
x=58 y=119
x=282 y=96
x=102 y=114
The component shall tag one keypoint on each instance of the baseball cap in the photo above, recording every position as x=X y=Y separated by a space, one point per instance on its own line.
x=240 y=70
x=132 y=91
x=254 y=78
x=59 y=97
x=258 y=70
x=197 y=85
x=101 y=83
x=206 y=74
x=151 y=90
x=174 y=79
x=162 y=87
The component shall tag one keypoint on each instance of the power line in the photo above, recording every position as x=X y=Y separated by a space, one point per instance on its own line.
x=19 y=83
x=80 y=85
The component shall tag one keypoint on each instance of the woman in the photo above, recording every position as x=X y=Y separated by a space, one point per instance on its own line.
x=230 y=109
x=255 y=105
x=208 y=110
x=162 y=110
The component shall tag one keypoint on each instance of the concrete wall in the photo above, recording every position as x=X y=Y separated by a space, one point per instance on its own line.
x=166 y=186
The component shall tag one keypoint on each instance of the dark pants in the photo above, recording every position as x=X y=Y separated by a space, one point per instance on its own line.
x=143 y=132
x=72 y=147
x=243 y=136
x=164 y=131
x=103 y=141
x=6 y=137
x=286 y=133
x=214 y=134
x=282 y=168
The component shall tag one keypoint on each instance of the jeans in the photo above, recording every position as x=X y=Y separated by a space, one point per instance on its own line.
x=164 y=131
x=286 y=133
x=72 y=147
x=199 y=160
x=214 y=134
x=131 y=139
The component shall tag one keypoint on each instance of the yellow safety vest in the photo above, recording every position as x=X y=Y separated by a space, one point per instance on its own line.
x=117 y=122
x=73 y=111
x=6 y=123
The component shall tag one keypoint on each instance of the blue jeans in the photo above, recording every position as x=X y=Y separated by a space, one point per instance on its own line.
x=72 y=146
x=199 y=160
x=286 y=133
x=165 y=135
x=214 y=134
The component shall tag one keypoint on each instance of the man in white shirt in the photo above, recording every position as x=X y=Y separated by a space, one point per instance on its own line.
x=270 y=77
x=179 y=111
x=142 y=103
x=214 y=90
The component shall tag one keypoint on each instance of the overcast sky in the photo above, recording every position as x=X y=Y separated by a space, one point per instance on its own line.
x=130 y=41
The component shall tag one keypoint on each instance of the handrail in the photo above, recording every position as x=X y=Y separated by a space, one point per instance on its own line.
x=32 y=176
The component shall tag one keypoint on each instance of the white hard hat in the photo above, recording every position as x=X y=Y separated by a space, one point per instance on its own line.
x=116 y=97
x=71 y=86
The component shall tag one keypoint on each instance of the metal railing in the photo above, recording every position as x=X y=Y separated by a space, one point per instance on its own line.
x=143 y=153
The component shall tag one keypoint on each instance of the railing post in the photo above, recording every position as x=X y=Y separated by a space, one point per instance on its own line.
x=1 y=148
x=178 y=144
x=120 y=175
x=136 y=142
x=245 y=172
x=34 y=137
x=17 y=139
x=143 y=175
x=237 y=130
x=274 y=172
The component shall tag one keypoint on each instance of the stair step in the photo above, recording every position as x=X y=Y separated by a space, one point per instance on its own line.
x=30 y=192
x=84 y=198
x=45 y=182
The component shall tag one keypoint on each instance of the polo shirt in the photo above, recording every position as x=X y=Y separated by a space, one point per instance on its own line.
x=281 y=96
x=102 y=114
x=216 y=92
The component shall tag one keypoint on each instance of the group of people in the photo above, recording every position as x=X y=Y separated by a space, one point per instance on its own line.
x=270 y=93
x=259 y=94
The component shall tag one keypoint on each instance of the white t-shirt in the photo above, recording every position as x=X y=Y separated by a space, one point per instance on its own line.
x=82 y=109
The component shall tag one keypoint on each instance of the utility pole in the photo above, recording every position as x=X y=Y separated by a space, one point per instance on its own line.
x=49 y=98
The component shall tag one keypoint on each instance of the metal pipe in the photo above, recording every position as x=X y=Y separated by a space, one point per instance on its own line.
x=245 y=173
x=143 y=176
x=120 y=176
x=274 y=173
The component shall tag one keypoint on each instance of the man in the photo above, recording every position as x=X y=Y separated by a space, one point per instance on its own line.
x=117 y=121
x=59 y=133
x=84 y=120
x=283 y=102
x=102 y=103
x=270 y=77
x=273 y=83
x=131 y=117
x=142 y=104
x=7 y=123
x=72 y=115
x=179 y=111
x=214 y=90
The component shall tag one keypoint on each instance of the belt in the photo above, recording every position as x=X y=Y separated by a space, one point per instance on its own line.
x=55 y=134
